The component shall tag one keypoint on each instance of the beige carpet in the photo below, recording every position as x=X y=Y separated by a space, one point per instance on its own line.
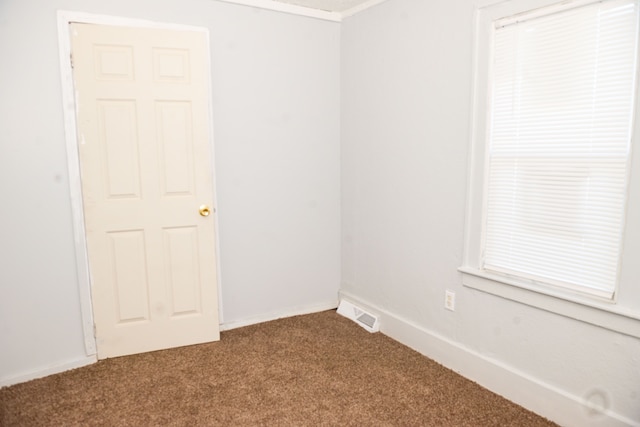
x=314 y=370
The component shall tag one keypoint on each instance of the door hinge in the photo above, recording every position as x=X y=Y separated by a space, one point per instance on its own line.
x=71 y=59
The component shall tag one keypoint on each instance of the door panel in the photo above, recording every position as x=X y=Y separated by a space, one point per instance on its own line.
x=128 y=259
x=176 y=144
x=119 y=137
x=145 y=161
x=181 y=248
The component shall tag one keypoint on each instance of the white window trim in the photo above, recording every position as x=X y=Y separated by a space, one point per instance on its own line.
x=622 y=313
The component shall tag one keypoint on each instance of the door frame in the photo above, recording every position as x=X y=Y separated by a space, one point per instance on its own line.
x=65 y=18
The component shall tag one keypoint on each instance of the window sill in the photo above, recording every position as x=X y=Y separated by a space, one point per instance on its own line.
x=605 y=315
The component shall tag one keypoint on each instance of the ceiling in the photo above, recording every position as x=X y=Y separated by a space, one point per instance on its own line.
x=331 y=10
x=329 y=5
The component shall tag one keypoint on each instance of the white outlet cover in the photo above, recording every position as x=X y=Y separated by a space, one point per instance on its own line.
x=450 y=300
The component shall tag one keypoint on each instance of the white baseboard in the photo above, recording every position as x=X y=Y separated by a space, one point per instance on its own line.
x=295 y=311
x=544 y=399
x=54 y=369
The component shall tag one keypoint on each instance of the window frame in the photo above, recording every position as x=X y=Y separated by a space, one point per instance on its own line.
x=622 y=312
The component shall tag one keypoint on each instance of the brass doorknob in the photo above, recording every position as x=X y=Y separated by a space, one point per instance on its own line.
x=204 y=210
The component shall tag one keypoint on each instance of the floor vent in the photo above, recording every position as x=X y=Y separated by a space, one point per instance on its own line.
x=363 y=318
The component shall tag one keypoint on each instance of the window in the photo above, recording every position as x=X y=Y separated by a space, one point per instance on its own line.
x=559 y=139
x=553 y=124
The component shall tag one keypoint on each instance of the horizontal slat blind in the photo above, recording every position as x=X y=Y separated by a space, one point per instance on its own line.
x=561 y=112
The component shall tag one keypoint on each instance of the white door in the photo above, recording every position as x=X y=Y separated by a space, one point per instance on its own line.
x=144 y=146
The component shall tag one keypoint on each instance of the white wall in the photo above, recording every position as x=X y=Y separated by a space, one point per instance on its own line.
x=276 y=123
x=406 y=98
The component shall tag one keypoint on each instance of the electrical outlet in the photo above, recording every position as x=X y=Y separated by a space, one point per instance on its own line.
x=450 y=300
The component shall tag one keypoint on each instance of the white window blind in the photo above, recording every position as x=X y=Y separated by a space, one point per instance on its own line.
x=561 y=109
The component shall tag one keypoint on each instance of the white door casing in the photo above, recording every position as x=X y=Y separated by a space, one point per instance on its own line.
x=144 y=153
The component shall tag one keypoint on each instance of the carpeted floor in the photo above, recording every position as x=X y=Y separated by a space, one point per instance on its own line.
x=314 y=370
